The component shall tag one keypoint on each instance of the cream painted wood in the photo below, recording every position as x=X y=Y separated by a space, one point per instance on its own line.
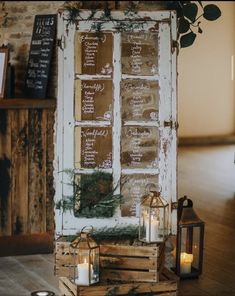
x=66 y=222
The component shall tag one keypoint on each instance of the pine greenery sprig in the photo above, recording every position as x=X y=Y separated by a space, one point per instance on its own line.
x=93 y=195
x=118 y=232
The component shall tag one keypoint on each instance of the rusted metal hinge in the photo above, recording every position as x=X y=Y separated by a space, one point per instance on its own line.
x=174 y=205
x=171 y=124
x=61 y=42
x=174 y=44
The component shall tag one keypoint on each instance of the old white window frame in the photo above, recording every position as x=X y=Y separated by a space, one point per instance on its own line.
x=66 y=222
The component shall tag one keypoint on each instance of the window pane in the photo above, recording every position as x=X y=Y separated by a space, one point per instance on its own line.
x=139 y=147
x=132 y=189
x=93 y=147
x=139 y=53
x=93 y=99
x=140 y=99
x=93 y=53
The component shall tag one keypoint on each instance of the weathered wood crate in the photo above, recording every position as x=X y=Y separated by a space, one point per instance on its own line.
x=167 y=286
x=124 y=261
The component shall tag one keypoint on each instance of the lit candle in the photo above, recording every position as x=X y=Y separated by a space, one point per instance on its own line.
x=152 y=231
x=83 y=273
x=186 y=262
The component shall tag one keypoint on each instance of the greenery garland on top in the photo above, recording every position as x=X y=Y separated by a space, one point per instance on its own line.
x=93 y=195
x=188 y=20
x=74 y=9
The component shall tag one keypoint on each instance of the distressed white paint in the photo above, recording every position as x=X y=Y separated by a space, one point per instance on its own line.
x=147 y=123
x=67 y=223
x=92 y=123
x=140 y=171
x=165 y=111
x=58 y=128
x=173 y=151
x=90 y=171
x=151 y=78
x=116 y=111
x=92 y=77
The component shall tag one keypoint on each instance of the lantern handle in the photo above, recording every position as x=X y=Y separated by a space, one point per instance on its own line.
x=88 y=227
x=181 y=205
x=77 y=240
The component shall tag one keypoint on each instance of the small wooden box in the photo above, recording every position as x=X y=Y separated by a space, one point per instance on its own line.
x=125 y=261
x=167 y=286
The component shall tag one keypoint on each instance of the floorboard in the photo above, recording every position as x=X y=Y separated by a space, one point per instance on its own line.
x=207 y=176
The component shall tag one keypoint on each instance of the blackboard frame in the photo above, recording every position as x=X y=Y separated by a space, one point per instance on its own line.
x=40 y=56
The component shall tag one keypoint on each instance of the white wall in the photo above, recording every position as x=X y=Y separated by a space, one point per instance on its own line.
x=205 y=89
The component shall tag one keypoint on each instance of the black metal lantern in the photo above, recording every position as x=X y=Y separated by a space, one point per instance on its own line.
x=85 y=267
x=190 y=239
x=153 y=225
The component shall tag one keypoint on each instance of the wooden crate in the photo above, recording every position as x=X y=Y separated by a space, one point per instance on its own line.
x=167 y=286
x=124 y=261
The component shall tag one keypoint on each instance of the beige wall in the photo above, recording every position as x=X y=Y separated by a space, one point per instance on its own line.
x=205 y=90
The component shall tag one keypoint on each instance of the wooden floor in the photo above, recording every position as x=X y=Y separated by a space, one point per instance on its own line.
x=207 y=175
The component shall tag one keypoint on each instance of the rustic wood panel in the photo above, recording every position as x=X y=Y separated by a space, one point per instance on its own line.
x=165 y=287
x=26 y=142
x=49 y=150
x=27 y=103
x=37 y=164
x=19 y=176
x=5 y=170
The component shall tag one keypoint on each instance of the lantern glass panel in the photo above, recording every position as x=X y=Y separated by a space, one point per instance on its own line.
x=153 y=219
x=190 y=250
x=85 y=261
x=95 y=262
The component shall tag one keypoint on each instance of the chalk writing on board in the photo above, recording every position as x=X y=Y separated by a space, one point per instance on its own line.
x=139 y=147
x=132 y=189
x=140 y=99
x=139 y=52
x=96 y=150
x=88 y=100
x=96 y=55
x=40 y=56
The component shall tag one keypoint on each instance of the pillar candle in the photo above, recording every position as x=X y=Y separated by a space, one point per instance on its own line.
x=83 y=274
x=152 y=231
x=186 y=263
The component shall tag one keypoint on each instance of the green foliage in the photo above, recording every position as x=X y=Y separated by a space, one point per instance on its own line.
x=118 y=232
x=188 y=14
x=93 y=195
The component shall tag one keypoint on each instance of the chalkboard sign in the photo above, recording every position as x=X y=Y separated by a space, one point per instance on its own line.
x=40 y=55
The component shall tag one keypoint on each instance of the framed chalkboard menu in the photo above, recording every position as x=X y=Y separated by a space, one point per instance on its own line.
x=40 y=56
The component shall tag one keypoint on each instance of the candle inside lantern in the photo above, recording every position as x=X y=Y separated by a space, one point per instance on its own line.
x=152 y=229
x=83 y=274
x=186 y=263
